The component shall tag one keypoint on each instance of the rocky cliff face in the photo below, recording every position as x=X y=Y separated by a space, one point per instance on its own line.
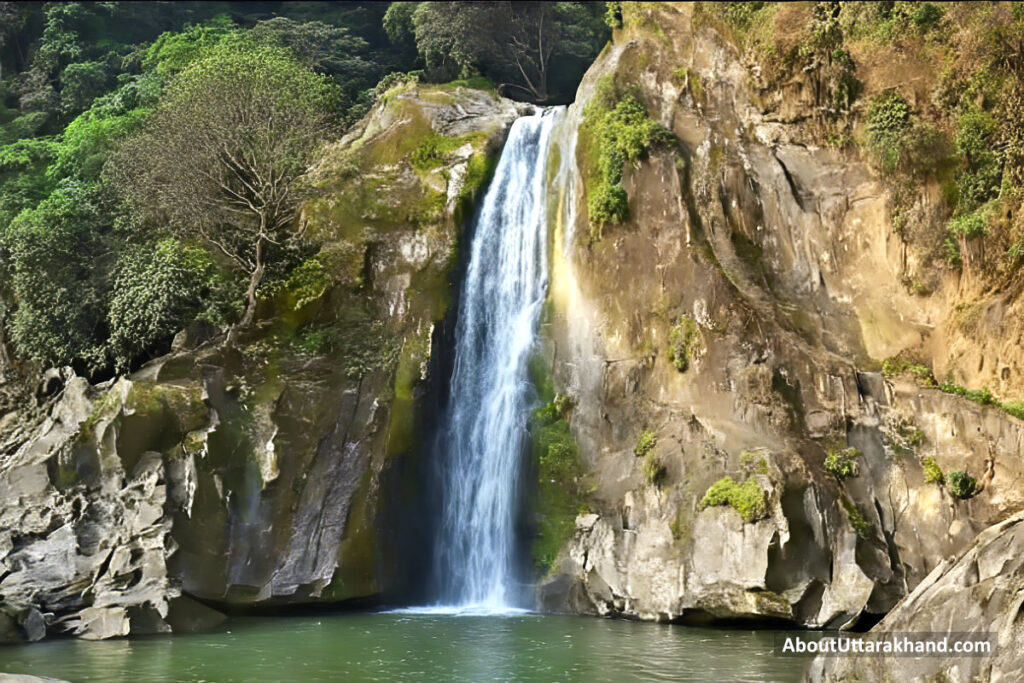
x=977 y=593
x=251 y=474
x=773 y=258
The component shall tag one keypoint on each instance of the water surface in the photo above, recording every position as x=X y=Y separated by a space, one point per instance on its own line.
x=417 y=647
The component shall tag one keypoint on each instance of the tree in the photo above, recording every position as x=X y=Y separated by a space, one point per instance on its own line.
x=331 y=50
x=56 y=250
x=516 y=43
x=158 y=289
x=537 y=31
x=222 y=157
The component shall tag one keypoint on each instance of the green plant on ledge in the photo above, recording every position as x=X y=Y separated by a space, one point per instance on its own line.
x=961 y=485
x=932 y=472
x=856 y=517
x=840 y=463
x=748 y=498
x=683 y=342
x=616 y=129
x=645 y=444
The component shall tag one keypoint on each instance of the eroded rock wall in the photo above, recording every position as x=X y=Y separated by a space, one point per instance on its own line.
x=782 y=254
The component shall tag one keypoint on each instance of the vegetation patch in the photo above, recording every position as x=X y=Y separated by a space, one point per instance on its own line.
x=841 y=463
x=654 y=469
x=754 y=462
x=932 y=471
x=748 y=498
x=900 y=365
x=961 y=485
x=645 y=443
x=434 y=150
x=860 y=525
x=616 y=129
x=684 y=343
x=560 y=476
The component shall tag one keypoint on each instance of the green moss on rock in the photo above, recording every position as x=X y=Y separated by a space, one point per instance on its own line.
x=559 y=473
x=748 y=498
x=684 y=343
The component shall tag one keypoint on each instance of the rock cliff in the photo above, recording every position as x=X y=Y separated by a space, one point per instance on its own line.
x=977 y=593
x=768 y=261
x=220 y=476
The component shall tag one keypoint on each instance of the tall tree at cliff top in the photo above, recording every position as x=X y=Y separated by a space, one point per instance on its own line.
x=222 y=157
x=534 y=50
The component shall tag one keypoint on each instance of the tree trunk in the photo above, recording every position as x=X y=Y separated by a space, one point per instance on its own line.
x=250 y=295
x=254 y=282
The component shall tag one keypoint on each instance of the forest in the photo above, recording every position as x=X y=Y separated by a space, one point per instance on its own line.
x=152 y=154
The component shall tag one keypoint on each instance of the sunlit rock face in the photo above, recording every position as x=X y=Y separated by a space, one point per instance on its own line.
x=252 y=474
x=780 y=253
x=976 y=594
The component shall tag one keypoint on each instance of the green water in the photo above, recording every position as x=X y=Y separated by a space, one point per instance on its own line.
x=410 y=647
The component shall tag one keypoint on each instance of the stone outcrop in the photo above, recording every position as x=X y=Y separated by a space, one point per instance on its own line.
x=251 y=474
x=780 y=253
x=978 y=594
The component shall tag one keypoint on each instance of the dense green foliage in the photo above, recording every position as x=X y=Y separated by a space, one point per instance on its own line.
x=54 y=250
x=534 y=50
x=100 y=279
x=961 y=485
x=136 y=133
x=616 y=130
x=152 y=155
x=748 y=498
x=841 y=462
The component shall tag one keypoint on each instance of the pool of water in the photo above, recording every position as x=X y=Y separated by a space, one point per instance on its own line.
x=390 y=646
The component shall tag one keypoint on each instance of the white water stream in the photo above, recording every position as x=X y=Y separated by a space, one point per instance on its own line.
x=486 y=425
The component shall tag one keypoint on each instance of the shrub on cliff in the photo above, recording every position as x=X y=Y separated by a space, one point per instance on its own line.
x=748 y=498
x=616 y=129
x=932 y=472
x=646 y=443
x=841 y=463
x=888 y=122
x=961 y=485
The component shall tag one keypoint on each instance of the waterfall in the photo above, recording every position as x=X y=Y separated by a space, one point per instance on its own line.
x=485 y=427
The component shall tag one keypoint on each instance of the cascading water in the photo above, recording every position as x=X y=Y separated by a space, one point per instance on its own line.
x=486 y=422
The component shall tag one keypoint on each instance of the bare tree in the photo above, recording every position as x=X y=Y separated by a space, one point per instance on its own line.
x=223 y=156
